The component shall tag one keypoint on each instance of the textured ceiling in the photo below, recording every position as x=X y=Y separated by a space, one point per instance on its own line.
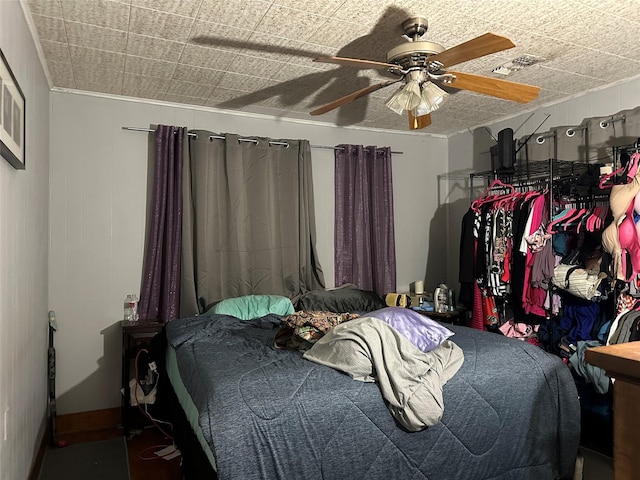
x=256 y=55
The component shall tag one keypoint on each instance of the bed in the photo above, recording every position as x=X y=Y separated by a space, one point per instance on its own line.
x=510 y=411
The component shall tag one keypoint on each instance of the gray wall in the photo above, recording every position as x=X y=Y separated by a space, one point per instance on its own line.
x=72 y=224
x=98 y=194
x=24 y=237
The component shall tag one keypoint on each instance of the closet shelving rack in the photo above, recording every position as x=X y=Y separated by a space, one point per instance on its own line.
x=549 y=170
x=531 y=174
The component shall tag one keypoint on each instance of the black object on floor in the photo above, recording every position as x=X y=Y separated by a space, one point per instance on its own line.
x=102 y=460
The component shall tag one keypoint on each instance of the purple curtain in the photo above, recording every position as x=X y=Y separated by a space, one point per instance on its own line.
x=364 y=234
x=160 y=292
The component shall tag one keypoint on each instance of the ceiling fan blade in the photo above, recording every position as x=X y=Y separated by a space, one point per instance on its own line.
x=474 y=48
x=355 y=62
x=421 y=121
x=517 y=92
x=351 y=97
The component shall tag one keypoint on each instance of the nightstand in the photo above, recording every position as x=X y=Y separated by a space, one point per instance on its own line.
x=135 y=337
x=622 y=362
x=455 y=317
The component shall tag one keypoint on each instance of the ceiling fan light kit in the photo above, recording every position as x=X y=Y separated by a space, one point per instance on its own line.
x=419 y=94
x=421 y=64
x=407 y=97
x=432 y=97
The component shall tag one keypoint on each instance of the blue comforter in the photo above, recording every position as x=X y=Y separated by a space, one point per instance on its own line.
x=510 y=412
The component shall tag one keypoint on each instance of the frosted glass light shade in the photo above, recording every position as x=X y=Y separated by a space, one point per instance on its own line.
x=432 y=97
x=420 y=100
x=407 y=97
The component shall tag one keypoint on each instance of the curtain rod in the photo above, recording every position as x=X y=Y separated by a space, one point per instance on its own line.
x=241 y=139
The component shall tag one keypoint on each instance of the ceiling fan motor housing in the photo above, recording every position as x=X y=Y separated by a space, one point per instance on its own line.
x=413 y=54
x=416 y=52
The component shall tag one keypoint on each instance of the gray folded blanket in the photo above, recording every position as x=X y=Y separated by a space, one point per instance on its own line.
x=411 y=381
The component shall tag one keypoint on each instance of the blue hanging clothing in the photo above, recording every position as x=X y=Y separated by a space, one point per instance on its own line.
x=578 y=318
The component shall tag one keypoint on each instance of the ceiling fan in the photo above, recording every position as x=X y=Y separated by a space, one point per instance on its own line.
x=420 y=66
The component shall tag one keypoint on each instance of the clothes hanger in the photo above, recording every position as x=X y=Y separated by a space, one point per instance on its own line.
x=566 y=220
x=602 y=216
x=533 y=193
x=588 y=221
x=485 y=197
x=592 y=222
x=633 y=164
x=630 y=170
x=603 y=181
x=559 y=218
x=507 y=200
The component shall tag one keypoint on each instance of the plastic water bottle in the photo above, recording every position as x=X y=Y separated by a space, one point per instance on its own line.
x=134 y=308
x=130 y=308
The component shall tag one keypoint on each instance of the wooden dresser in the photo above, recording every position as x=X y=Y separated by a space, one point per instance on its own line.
x=622 y=363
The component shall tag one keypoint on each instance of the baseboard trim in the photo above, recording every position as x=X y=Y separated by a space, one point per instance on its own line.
x=88 y=421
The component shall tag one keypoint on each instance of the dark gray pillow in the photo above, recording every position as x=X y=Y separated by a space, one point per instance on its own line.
x=340 y=300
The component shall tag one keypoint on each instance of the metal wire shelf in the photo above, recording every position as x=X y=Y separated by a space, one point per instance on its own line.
x=551 y=169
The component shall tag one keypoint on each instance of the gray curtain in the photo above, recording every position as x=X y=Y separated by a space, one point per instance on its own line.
x=160 y=291
x=571 y=148
x=539 y=152
x=249 y=221
x=364 y=232
x=555 y=145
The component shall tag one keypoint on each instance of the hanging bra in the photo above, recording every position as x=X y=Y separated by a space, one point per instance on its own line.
x=623 y=195
x=621 y=199
x=628 y=238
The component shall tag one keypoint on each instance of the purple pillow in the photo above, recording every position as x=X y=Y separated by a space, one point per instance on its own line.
x=424 y=333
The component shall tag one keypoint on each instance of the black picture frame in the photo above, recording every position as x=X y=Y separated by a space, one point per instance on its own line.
x=12 y=117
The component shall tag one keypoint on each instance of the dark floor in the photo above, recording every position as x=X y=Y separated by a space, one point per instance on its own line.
x=596 y=466
x=143 y=443
x=141 y=448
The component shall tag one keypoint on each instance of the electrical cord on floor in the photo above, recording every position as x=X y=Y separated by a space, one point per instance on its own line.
x=153 y=419
x=157 y=455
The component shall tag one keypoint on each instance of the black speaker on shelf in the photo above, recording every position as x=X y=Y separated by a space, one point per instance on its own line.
x=506 y=149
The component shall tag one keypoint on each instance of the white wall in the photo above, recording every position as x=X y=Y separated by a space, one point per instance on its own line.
x=98 y=199
x=470 y=149
x=24 y=235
